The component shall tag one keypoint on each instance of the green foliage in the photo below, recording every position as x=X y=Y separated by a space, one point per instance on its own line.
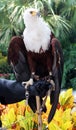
x=3 y=49
x=69 y=76
x=11 y=76
x=4 y=67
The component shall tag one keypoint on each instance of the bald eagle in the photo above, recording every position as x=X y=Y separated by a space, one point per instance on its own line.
x=43 y=53
x=37 y=38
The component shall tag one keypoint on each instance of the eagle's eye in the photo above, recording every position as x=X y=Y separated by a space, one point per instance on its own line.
x=31 y=12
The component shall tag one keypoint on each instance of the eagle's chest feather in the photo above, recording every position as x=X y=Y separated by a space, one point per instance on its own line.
x=40 y=61
x=43 y=55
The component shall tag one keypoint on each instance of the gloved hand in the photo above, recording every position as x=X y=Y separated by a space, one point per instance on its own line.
x=12 y=91
x=39 y=88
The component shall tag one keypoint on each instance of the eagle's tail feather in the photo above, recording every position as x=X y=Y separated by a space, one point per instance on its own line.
x=56 y=97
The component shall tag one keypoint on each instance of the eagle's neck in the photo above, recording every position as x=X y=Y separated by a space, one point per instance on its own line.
x=37 y=36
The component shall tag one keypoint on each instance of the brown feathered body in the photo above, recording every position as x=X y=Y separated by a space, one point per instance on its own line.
x=40 y=63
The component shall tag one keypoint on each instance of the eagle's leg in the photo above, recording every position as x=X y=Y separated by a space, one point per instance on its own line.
x=51 y=80
x=32 y=67
x=53 y=69
x=50 y=76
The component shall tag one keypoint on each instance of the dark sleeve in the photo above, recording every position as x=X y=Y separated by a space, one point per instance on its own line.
x=11 y=91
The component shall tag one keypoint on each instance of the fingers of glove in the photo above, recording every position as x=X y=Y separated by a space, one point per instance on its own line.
x=39 y=88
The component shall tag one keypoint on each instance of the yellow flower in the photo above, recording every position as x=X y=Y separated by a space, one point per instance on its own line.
x=58 y=116
x=66 y=99
x=53 y=126
x=74 y=118
x=67 y=125
x=8 y=118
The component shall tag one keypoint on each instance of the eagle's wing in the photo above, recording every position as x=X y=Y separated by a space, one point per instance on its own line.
x=16 y=45
x=17 y=58
x=57 y=50
x=57 y=70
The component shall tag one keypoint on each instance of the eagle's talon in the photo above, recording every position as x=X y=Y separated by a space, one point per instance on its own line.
x=51 y=81
x=28 y=83
x=36 y=77
x=53 y=84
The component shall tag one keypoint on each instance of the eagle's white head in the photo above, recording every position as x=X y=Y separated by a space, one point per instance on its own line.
x=37 y=32
x=30 y=16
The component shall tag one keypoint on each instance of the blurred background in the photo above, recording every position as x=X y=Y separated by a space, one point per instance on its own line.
x=60 y=15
